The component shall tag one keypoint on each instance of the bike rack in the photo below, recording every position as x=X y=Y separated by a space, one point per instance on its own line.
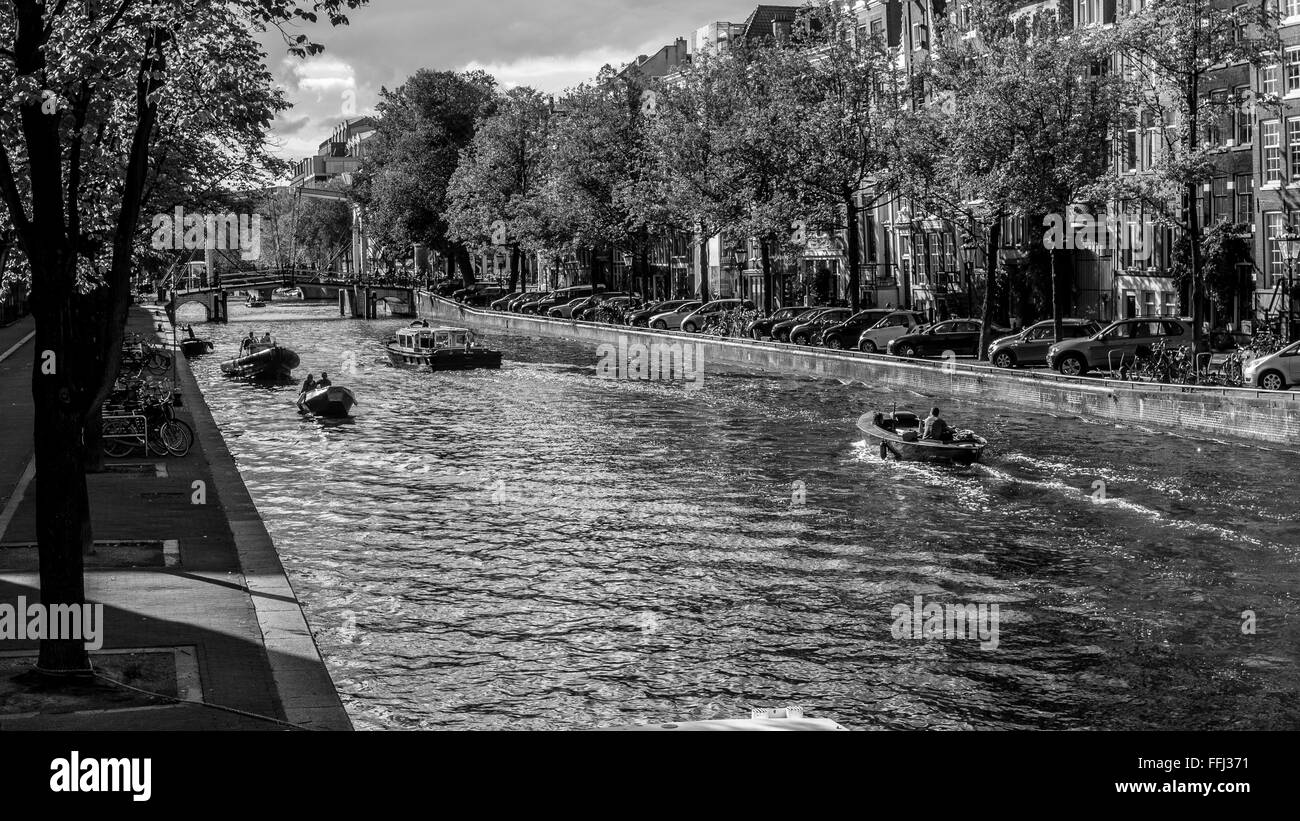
x=1110 y=360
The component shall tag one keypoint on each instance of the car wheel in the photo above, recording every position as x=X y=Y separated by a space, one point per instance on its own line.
x=1004 y=359
x=689 y=327
x=867 y=346
x=909 y=352
x=757 y=334
x=835 y=344
x=1072 y=365
x=660 y=325
x=1272 y=381
x=783 y=336
x=800 y=340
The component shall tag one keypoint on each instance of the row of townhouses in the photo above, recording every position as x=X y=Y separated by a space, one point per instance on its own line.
x=915 y=257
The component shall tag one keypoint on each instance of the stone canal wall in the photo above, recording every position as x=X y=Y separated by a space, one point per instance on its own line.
x=1232 y=412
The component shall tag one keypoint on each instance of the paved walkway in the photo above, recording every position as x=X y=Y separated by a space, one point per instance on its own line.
x=207 y=586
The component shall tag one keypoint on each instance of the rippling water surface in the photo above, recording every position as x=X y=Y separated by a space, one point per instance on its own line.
x=537 y=548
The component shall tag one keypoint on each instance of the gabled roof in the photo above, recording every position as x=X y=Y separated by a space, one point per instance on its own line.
x=759 y=23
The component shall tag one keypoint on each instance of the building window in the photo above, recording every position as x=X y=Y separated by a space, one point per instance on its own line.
x=1292 y=73
x=1293 y=144
x=1243 y=116
x=918 y=32
x=1217 y=115
x=1269 y=79
x=1220 y=200
x=1170 y=302
x=1292 y=8
x=1245 y=190
x=1272 y=135
x=878 y=30
x=1130 y=158
x=1273 y=230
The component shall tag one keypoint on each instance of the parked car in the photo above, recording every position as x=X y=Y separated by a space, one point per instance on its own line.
x=845 y=334
x=695 y=322
x=564 y=296
x=504 y=301
x=1122 y=340
x=565 y=311
x=641 y=316
x=1030 y=346
x=595 y=300
x=462 y=294
x=672 y=320
x=805 y=334
x=781 y=330
x=520 y=300
x=484 y=296
x=762 y=328
x=448 y=287
x=529 y=305
x=891 y=327
x=961 y=336
x=588 y=310
x=1276 y=372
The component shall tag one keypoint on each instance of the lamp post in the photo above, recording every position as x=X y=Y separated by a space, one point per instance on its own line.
x=968 y=250
x=1289 y=242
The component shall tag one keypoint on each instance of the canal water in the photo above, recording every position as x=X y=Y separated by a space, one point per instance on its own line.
x=539 y=548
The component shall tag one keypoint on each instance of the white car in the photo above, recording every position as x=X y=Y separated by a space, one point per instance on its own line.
x=1276 y=372
x=898 y=323
x=696 y=321
x=672 y=320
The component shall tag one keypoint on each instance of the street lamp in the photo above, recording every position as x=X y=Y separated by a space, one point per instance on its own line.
x=1289 y=243
x=968 y=250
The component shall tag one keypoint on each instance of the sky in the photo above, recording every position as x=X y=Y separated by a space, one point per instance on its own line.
x=548 y=45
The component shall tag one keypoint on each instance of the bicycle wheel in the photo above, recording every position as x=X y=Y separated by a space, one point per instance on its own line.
x=177 y=436
x=117 y=448
x=158 y=362
x=156 y=444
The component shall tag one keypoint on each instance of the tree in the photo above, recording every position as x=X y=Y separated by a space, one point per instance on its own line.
x=1024 y=119
x=849 y=98
x=491 y=201
x=1171 y=49
x=601 y=175
x=96 y=97
x=424 y=125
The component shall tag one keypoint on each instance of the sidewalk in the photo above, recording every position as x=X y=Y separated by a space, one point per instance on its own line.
x=196 y=595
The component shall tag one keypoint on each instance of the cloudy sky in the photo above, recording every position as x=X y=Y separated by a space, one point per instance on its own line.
x=550 y=45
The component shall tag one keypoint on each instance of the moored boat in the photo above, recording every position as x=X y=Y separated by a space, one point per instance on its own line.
x=332 y=402
x=254 y=302
x=899 y=435
x=262 y=360
x=440 y=349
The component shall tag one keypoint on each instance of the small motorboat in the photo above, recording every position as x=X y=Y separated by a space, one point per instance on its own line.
x=899 y=435
x=440 y=349
x=262 y=360
x=331 y=402
x=254 y=302
x=195 y=347
x=288 y=293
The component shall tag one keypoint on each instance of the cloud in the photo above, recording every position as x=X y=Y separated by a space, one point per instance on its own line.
x=551 y=45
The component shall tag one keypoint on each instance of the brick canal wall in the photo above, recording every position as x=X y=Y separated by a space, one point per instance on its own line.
x=1231 y=412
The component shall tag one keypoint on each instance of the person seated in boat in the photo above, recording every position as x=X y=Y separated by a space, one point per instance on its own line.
x=266 y=338
x=308 y=385
x=324 y=380
x=249 y=342
x=936 y=429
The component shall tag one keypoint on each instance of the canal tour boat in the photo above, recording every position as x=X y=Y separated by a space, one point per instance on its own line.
x=331 y=402
x=899 y=435
x=262 y=360
x=440 y=349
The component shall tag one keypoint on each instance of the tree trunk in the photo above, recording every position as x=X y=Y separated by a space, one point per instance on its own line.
x=466 y=264
x=990 y=288
x=766 y=253
x=1058 y=325
x=703 y=269
x=855 y=254
x=514 y=268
